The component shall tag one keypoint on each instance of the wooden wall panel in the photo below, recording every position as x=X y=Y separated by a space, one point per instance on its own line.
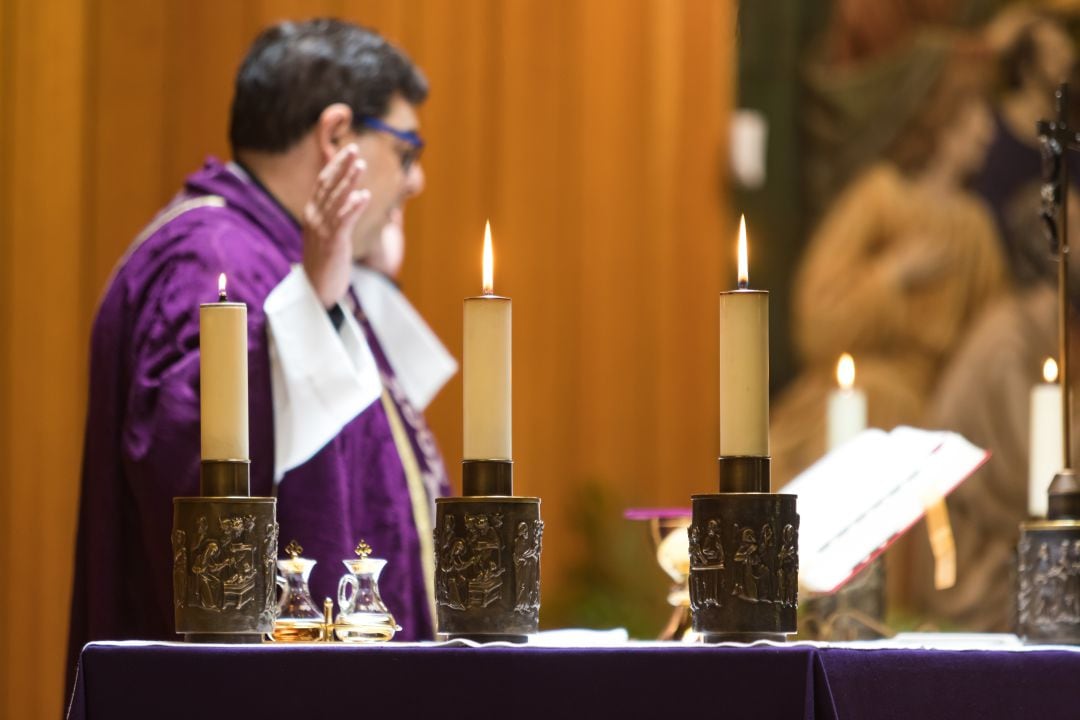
x=45 y=385
x=205 y=43
x=126 y=128
x=592 y=134
x=7 y=44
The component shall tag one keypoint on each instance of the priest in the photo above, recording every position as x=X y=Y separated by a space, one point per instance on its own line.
x=306 y=223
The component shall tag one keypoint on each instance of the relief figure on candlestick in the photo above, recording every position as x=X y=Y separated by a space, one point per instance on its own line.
x=710 y=575
x=712 y=549
x=1045 y=598
x=527 y=566
x=1049 y=583
x=747 y=556
x=1072 y=589
x=457 y=584
x=699 y=587
x=270 y=549
x=787 y=572
x=443 y=547
x=483 y=536
x=205 y=567
x=485 y=587
x=325 y=144
x=238 y=587
x=1061 y=580
x=180 y=569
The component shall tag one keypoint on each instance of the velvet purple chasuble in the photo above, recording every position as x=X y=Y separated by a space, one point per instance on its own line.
x=142 y=432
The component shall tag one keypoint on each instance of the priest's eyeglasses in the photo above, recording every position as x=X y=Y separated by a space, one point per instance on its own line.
x=415 y=143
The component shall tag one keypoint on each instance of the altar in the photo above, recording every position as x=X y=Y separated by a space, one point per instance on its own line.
x=1002 y=679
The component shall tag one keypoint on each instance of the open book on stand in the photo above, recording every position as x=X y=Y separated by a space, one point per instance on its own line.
x=862 y=496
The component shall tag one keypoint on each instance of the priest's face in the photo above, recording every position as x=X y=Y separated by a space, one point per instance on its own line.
x=393 y=176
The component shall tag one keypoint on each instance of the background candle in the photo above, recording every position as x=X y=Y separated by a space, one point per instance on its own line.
x=744 y=365
x=486 y=369
x=223 y=378
x=1047 y=455
x=845 y=415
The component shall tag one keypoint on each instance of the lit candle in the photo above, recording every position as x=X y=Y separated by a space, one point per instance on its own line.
x=744 y=364
x=223 y=378
x=846 y=410
x=1046 y=455
x=486 y=369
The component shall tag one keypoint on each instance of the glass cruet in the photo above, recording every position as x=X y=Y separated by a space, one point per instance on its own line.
x=299 y=619
x=363 y=617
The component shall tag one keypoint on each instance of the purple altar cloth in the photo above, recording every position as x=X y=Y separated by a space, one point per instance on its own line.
x=924 y=684
x=394 y=680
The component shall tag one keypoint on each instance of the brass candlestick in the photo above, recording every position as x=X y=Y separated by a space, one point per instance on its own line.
x=224 y=558
x=744 y=556
x=487 y=558
x=1048 y=601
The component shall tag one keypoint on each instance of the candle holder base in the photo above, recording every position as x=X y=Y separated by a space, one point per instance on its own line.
x=1048 y=602
x=744 y=566
x=854 y=612
x=225 y=638
x=715 y=638
x=224 y=568
x=487 y=567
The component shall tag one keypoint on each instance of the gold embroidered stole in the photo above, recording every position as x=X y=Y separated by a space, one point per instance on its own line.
x=417 y=494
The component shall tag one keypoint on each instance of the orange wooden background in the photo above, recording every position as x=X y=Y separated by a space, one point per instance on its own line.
x=591 y=132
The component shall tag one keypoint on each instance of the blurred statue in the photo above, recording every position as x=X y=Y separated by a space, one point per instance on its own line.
x=897 y=269
x=984 y=394
x=1036 y=58
x=854 y=35
x=868 y=82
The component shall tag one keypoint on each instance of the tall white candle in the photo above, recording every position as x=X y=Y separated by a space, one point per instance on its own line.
x=223 y=394
x=744 y=364
x=1047 y=454
x=486 y=369
x=845 y=415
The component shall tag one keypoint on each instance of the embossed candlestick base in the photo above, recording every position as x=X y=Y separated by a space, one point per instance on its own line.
x=224 y=559
x=487 y=558
x=744 y=557
x=1048 y=603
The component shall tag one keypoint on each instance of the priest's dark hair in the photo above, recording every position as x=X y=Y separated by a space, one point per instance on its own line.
x=295 y=70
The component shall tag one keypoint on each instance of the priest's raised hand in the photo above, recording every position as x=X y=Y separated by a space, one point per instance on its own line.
x=328 y=222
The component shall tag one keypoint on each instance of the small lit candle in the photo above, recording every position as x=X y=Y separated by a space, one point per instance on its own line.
x=1046 y=456
x=486 y=369
x=223 y=381
x=846 y=408
x=744 y=364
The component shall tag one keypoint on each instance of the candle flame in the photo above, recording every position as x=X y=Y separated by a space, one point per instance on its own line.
x=489 y=261
x=744 y=265
x=845 y=371
x=221 y=286
x=1050 y=370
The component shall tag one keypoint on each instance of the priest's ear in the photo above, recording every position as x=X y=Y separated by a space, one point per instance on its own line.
x=333 y=129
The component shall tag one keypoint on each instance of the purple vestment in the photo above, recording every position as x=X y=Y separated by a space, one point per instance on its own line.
x=142 y=431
